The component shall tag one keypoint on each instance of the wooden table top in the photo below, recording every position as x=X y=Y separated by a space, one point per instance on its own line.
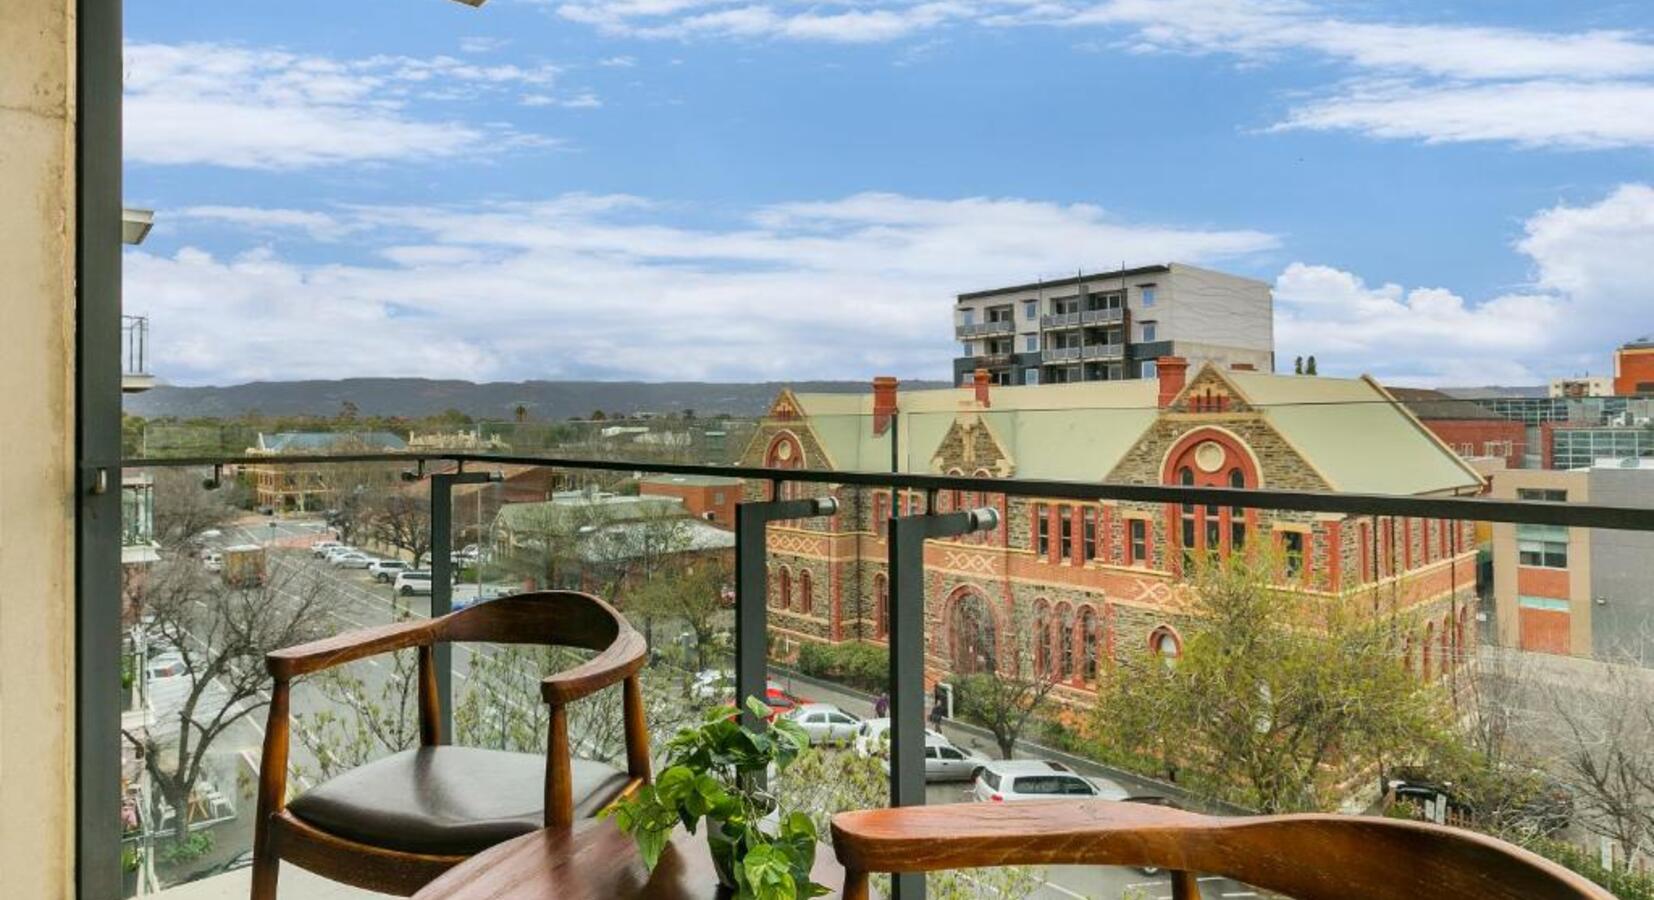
x=596 y=861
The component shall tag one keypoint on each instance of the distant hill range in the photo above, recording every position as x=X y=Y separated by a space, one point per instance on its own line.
x=414 y=397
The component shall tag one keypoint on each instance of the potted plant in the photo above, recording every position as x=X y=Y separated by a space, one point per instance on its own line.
x=761 y=852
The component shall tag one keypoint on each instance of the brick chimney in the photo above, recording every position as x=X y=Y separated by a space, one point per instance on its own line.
x=981 y=384
x=1173 y=372
x=884 y=402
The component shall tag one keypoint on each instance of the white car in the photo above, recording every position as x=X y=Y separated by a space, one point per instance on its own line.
x=320 y=548
x=711 y=685
x=825 y=723
x=945 y=762
x=413 y=581
x=332 y=552
x=385 y=571
x=874 y=737
x=1017 y=780
x=352 y=561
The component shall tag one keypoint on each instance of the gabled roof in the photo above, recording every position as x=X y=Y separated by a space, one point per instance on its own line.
x=1349 y=429
x=1432 y=405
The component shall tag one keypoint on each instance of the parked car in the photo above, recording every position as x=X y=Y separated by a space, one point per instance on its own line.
x=1016 y=780
x=353 y=561
x=340 y=550
x=777 y=699
x=945 y=762
x=320 y=548
x=413 y=581
x=384 y=570
x=710 y=684
x=874 y=736
x=825 y=723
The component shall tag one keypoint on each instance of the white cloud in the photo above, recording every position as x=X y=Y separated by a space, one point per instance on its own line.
x=598 y=286
x=618 y=62
x=252 y=108
x=482 y=44
x=317 y=225
x=1589 y=294
x=1415 y=80
x=1570 y=114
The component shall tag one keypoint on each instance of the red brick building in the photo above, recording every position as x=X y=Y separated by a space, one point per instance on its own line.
x=1094 y=579
x=1634 y=368
x=1472 y=430
x=707 y=497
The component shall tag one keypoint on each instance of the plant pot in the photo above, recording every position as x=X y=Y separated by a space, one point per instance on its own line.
x=723 y=848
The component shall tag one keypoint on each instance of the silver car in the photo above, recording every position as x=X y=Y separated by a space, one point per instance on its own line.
x=1016 y=780
x=825 y=723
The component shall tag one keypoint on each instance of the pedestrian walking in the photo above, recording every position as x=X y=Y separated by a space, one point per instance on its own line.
x=937 y=712
x=881 y=706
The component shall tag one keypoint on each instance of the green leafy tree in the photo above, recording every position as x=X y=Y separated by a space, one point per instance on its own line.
x=692 y=595
x=1009 y=688
x=1277 y=698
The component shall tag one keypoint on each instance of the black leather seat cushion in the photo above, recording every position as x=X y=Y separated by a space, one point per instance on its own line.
x=448 y=800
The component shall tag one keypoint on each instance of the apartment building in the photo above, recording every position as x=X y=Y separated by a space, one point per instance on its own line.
x=1102 y=579
x=1112 y=326
x=1576 y=591
x=1634 y=368
x=307 y=488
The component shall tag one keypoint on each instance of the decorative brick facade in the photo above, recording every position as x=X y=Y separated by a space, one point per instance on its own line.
x=1083 y=573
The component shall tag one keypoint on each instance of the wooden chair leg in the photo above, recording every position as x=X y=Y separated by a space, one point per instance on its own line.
x=272 y=796
x=1185 y=886
x=266 y=868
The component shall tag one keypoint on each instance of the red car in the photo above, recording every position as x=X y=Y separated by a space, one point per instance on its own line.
x=777 y=699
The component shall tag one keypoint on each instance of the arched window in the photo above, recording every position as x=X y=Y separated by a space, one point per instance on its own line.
x=1209 y=457
x=1065 y=641
x=975 y=645
x=1186 y=477
x=881 y=512
x=1165 y=643
x=806 y=598
x=881 y=606
x=786 y=589
x=1237 y=515
x=1088 y=644
x=1042 y=639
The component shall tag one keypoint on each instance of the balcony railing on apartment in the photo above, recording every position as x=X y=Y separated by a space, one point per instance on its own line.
x=985 y=329
x=135 y=374
x=906 y=535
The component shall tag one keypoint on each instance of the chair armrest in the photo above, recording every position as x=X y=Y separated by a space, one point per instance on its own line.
x=1310 y=856
x=303 y=659
x=623 y=658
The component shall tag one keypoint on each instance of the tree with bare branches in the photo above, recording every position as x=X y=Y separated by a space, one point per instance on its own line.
x=1607 y=729
x=185 y=508
x=216 y=636
x=1005 y=687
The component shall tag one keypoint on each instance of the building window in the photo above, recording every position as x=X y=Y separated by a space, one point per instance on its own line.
x=1542 y=545
x=1148 y=331
x=1065 y=641
x=1042 y=531
x=881 y=513
x=1237 y=515
x=968 y=317
x=1088 y=645
x=1549 y=604
x=1164 y=643
x=1186 y=477
x=1030 y=309
x=1090 y=537
x=1030 y=376
x=1139 y=529
x=1150 y=370
x=1065 y=529
x=1292 y=552
x=806 y=598
x=1030 y=343
x=1547 y=495
x=881 y=606
x=786 y=599
x=1042 y=639
x=1148 y=295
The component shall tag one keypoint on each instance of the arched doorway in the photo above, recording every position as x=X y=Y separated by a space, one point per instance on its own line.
x=973 y=636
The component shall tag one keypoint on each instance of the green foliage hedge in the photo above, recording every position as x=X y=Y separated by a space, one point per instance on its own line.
x=855 y=663
x=1624 y=884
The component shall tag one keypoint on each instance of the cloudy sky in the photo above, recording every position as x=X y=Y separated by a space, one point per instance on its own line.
x=1440 y=193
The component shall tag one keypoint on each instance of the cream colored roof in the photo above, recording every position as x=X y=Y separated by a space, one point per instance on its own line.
x=1359 y=439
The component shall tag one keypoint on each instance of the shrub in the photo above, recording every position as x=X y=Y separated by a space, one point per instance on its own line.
x=1622 y=883
x=856 y=664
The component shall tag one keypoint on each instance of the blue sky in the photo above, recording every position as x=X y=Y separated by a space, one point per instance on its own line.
x=746 y=189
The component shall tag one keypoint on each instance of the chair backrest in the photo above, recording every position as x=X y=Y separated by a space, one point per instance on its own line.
x=555 y=618
x=1308 y=857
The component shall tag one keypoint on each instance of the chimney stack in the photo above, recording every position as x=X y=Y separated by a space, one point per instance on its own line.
x=1173 y=372
x=981 y=384
x=884 y=402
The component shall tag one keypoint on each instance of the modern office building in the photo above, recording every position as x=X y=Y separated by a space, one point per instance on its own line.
x=1634 y=368
x=1575 y=591
x=1111 y=326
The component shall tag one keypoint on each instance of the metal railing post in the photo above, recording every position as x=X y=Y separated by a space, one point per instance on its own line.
x=907 y=656
x=751 y=609
x=442 y=582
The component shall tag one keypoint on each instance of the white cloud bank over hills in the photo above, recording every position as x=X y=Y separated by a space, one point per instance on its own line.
x=585 y=286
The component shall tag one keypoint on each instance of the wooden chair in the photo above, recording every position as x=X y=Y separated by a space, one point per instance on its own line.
x=1308 y=857
x=397 y=823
